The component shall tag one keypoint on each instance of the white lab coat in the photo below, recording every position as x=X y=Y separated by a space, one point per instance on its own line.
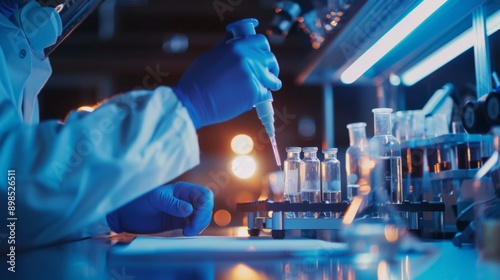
x=69 y=176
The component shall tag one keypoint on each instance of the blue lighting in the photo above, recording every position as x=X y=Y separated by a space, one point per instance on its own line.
x=393 y=37
x=448 y=52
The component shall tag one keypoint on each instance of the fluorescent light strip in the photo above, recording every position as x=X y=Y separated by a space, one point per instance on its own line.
x=447 y=52
x=395 y=35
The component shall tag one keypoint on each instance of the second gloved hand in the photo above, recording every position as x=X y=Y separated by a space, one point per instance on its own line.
x=228 y=80
x=177 y=206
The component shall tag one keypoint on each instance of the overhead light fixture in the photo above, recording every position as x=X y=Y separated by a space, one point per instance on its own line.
x=447 y=52
x=390 y=39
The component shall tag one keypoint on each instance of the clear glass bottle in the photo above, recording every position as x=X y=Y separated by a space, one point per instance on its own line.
x=385 y=151
x=358 y=149
x=310 y=181
x=291 y=167
x=330 y=176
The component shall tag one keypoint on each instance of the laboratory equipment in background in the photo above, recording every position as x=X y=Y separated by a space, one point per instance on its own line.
x=474 y=116
x=317 y=19
x=291 y=167
x=409 y=125
x=437 y=164
x=492 y=108
x=385 y=151
x=481 y=217
x=486 y=204
x=265 y=111
x=438 y=101
x=480 y=115
x=355 y=153
x=330 y=179
x=310 y=180
x=287 y=13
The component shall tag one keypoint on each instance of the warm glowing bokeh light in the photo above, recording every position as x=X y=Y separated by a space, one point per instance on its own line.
x=242 y=144
x=242 y=271
x=351 y=212
x=243 y=166
x=86 y=109
x=244 y=196
x=383 y=270
x=222 y=218
x=364 y=189
x=242 y=232
x=391 y=233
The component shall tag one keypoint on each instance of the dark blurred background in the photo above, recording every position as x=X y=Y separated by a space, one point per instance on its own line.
x=130 y=44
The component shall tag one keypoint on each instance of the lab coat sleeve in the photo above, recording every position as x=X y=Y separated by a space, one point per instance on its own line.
x=69 y=176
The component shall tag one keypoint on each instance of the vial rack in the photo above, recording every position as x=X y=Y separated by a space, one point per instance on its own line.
x=278 y=223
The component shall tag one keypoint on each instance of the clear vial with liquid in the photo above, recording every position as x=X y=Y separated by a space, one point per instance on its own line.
x=330 y=179
x=330 y=176
x=385 y=151
x=291 y=167
x=310 y=181
x=355 y=153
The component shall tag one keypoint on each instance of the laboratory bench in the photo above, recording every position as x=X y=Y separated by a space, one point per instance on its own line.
x=231 y=255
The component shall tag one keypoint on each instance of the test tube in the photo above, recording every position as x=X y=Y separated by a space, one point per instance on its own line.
x=486 y=148
x=445 y=163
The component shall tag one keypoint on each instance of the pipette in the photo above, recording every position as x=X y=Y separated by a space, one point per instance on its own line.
x=264 y=109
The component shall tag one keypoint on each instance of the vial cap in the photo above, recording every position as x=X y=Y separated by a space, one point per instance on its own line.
x=330 y=150
x=293 y=149
x=310 y=149
x=382 y=110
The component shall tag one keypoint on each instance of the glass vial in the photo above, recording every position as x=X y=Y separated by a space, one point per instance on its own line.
x=291 y=167
x=310 y=181
x=385 y=151
x=330 y=176
x=357 y=150
x=330 y=179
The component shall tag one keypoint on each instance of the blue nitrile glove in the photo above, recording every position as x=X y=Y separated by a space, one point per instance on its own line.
x=180 y=205
x=8 y=7
x=228 y=80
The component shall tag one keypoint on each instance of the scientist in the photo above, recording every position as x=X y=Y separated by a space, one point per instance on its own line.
x=60 y=180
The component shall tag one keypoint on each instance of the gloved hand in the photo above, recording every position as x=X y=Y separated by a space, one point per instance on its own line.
x=8 y=7
x=228 y=80
x=180 y=205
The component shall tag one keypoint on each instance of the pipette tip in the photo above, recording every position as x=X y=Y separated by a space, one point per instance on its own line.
x=275 y=150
